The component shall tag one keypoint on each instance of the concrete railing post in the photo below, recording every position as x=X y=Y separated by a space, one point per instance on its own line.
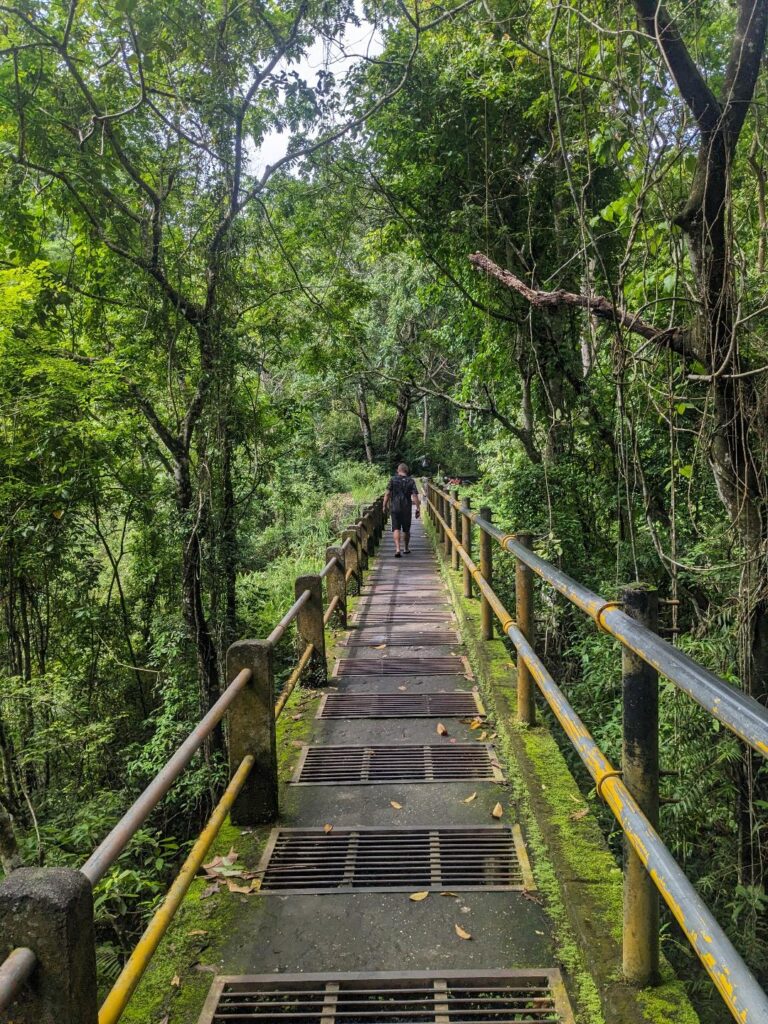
x=362 y=550
x=486 y=570
x=50 y=911
x=526 y=706
x=447 y=514
x=640 y=767
x=311 y=628
x=455 y=526
x=252 y=731
x=466 y=543
x=336 y=584
x=353 y=557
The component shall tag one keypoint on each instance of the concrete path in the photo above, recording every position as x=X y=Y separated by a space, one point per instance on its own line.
x=402 y=644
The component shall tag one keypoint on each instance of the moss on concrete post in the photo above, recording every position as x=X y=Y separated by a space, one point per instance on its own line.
x=486 y=570
x=640 y=766
x=311 y=628
x=50 y=910
x=456 y=527
x=466 y=543
x=252 y=731
x=352 y=560
x=336 y=584
x=526 y=706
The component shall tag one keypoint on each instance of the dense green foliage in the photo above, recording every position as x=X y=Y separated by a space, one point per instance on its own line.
x=205 y=363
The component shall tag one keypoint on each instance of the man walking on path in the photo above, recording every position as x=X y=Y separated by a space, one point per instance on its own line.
x=401 y=491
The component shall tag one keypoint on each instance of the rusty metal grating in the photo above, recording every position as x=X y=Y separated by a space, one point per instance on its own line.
x=380 y=764
x=402 y=638
x=400 y=705
x=415 y=997
x=311 y=860
x=403 y=667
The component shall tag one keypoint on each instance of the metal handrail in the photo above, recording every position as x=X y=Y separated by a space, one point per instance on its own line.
x=20 y=964
x=15 y=971
x=137 y=963
x=287 y=619
x=733 y=708
x=105 y=855
x=731 y=976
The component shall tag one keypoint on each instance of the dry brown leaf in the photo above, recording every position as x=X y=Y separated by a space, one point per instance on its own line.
x=450 y=894
x=470 y=798
x=197 y=931
x=379 y=647
x=578 y=815
x=233 y=887
x=483 y=736
x=176 y=981
x=475 y=723
x=497 y=811
x=209 y=890
x=327 y=829
x=396 y=805
x=461 y=932
x=417 y=897
x=441 y=730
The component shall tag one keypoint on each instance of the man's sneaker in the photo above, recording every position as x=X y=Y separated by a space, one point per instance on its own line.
x=397 y=554
x=407 y=551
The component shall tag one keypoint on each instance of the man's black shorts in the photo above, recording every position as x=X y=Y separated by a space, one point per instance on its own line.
x=401 y=518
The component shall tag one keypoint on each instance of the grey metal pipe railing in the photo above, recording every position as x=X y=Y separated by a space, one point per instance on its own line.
x=733 y=708
x=288 y=618
x=105 y=855
x=15 y=972
x=734 y=981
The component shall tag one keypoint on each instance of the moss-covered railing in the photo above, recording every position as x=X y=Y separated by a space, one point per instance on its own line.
x=47 y=932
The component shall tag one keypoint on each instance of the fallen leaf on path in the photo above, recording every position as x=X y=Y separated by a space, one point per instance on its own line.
x=403 y=688
x=441 y=730
x=483 y=736
x=327 y=829
x=475 y=723
x=461 y=932
x=255 y=885
x=197 y=931
x=379 y=647
x=534 y=896
x=450 y=894
x=497 y=811
x=209 y=890
x=470 y=798
x=234 y=887
x=417 y=897
x=578 y=815
x=176 y=981
x=396 y=805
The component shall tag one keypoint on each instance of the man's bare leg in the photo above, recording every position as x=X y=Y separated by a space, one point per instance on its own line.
x=396 y=539
x=407 y=541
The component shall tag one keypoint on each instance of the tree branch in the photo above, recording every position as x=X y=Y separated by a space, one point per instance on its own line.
x=676 y=339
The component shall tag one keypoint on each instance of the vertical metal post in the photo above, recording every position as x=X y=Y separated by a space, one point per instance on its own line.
x=353 y=557
x=50 y=910
x=311 y=628
x=526 y=706
x=640 y=766
x=466 y=543
x=455 y=526
x=252 y=731
x=486 y=570
x=336 y=584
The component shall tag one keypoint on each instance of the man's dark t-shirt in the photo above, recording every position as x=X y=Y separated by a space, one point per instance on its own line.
x=400 y=489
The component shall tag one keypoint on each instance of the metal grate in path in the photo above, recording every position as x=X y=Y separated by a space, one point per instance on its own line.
x=415 y=997
x=311 y=860
x=381 y=764
x=399 y=667
x=400 y=705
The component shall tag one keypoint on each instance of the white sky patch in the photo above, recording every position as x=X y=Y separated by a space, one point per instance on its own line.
x=357 y=43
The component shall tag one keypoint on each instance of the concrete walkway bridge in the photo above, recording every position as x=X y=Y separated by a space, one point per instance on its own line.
x=401 y=840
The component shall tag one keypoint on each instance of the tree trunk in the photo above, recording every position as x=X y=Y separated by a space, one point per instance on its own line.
x=399 y=423
x=365 y=422
x=10 y=858
x=192 y=596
